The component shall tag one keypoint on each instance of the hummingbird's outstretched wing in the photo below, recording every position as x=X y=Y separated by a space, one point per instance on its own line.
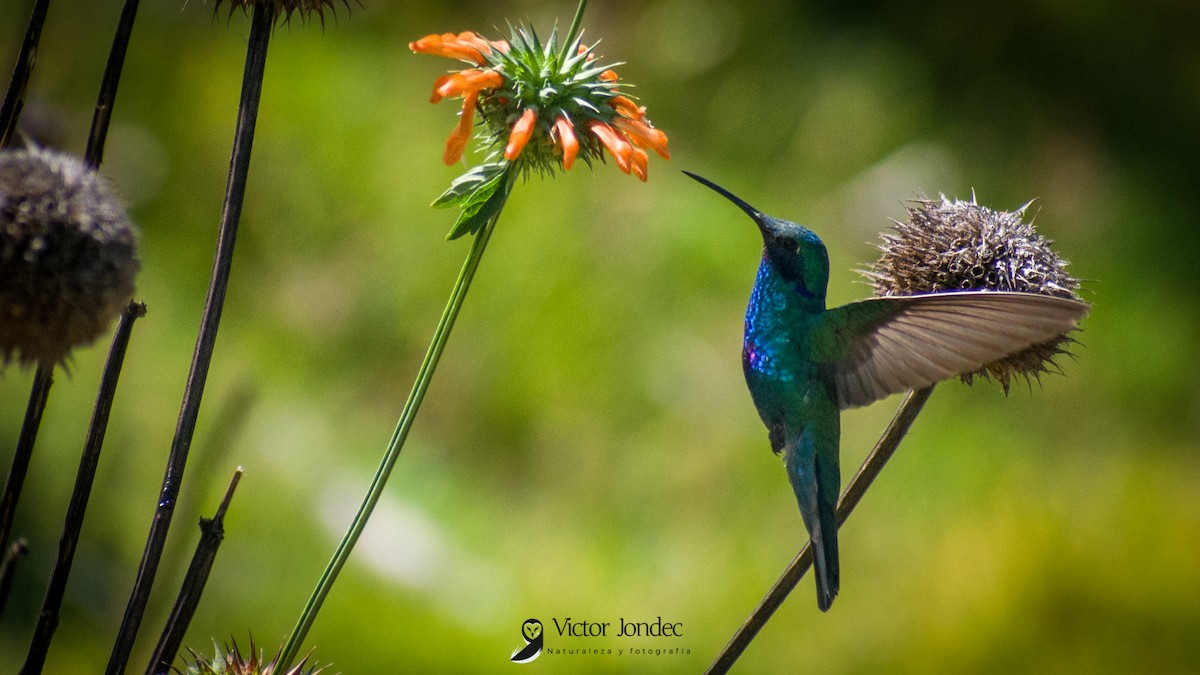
x=884 y=346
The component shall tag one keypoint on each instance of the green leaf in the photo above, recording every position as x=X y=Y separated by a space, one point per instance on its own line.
x=465 y=186
x=482 y=205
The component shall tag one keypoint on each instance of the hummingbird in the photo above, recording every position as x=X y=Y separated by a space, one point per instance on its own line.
x=805 y=363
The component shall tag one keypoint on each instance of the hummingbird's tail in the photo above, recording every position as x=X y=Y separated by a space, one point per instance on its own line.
x=825 y=559
x=816 y=485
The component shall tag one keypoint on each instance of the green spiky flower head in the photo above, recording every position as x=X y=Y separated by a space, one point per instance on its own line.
x=542 y=105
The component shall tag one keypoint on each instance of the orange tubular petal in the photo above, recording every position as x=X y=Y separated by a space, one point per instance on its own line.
x=640 y=163
x=627 y=107
x=462 y=133
x=460 y=83
x=609 y=76
x=437 y=87
x=484 y=47
x=430 y=44
x=568 y=141
x=447 y=45
x=470 y=38
x=485 y=79
x=644 y=135
x=522 y=131
x=621 y=149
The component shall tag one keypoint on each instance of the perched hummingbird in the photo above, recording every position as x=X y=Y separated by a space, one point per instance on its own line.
x=805 y=363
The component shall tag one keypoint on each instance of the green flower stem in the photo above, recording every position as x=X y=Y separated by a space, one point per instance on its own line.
x=424 y=376
x=573 y=31
x=872 y=465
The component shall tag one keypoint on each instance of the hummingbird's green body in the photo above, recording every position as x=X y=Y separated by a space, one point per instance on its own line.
x=805 y=363
x=782 y=363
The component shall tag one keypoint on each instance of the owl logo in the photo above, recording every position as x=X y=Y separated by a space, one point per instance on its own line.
x=531 y=632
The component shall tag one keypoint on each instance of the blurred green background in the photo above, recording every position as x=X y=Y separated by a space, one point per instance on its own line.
x=588 y=449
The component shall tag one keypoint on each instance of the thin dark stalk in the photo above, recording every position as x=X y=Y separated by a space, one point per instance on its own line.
x=854 y=492
x=14 y=98
x=10 y=112
x=108 y=86
x=8 y=568
x=90 y=459
x=212 y=449
x=212 y=532
x=42 y=380
x=235 y=190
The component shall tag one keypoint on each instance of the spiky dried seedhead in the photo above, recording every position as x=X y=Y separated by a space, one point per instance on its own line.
x=956 y=246
x=285 y=8
x=233 y=662
x=68 y=255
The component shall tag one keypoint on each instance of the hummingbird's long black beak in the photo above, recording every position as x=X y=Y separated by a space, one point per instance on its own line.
x=750 y=210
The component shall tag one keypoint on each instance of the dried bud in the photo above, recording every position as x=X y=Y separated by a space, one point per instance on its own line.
x=959 y=246
x=67 y=255
x=232 y=662
x=285 y=8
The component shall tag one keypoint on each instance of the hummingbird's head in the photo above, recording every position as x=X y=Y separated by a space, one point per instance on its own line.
x=794 y=250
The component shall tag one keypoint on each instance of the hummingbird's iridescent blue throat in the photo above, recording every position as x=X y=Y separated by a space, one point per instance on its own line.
x=805 y=363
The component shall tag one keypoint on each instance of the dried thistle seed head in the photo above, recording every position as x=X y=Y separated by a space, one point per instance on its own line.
x=67 y=255
x=957 y=246
x=233 y=662
x=285 y=8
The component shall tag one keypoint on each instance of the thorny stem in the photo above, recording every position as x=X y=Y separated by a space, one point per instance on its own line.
x=212 y=532
x=235 y=189
x=872 y=465
x=90 y=459
x=407 y=416
x=14 y=99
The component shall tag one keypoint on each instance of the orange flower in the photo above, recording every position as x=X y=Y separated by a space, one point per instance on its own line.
x=462 y=133
x=522 y=131
x=617 y=144
x=568 y=141
x=639 y=163
x=628 y=108
x=643 y=135
x=564 y=108
x=465 y=46
x=458 y=84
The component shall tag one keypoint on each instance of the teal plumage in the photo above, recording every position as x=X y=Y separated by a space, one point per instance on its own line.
x=804 y=363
